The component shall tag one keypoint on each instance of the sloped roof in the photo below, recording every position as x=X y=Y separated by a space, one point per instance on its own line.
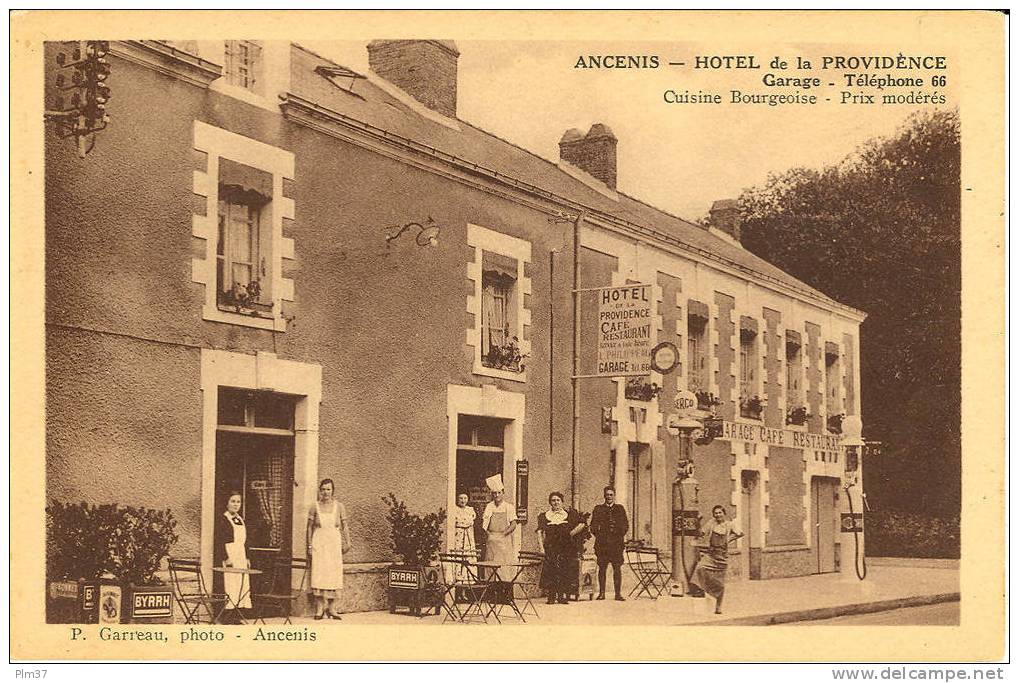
x=381 y=106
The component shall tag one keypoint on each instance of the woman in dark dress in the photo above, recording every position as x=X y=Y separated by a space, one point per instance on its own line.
x=558 y=529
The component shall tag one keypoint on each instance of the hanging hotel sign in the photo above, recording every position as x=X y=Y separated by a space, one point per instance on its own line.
x=624 y=331
x=770 y=436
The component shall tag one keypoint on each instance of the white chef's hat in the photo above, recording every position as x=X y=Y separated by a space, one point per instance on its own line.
x=494 y=483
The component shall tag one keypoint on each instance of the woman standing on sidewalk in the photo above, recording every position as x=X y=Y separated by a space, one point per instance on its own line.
x=709 y=574
x=328 y=538
x=557 y=532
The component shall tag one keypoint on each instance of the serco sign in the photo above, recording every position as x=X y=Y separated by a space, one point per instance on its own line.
x=685 y=403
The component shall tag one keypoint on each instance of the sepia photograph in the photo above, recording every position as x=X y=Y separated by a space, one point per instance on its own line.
x=457 y=334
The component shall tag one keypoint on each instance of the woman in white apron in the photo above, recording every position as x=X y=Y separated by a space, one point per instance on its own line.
x=328 y=538
x=231 y=551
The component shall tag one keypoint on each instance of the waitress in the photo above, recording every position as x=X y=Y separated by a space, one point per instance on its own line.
x=231 y=551
x=499 y=521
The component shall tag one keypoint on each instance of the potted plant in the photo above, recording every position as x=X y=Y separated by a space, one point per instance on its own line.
x=835 y=423
x=245 y=299
x=102 y=560
x=505 y=356
x=138 y=546
x=76 y=542
x=752 y=407
x=414 y=576
x=707 y=401
x=638 y=389
x=797 y=416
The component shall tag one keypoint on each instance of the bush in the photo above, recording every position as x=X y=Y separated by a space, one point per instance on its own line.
x=890 y=533
x=416 y=539
x=85 y=541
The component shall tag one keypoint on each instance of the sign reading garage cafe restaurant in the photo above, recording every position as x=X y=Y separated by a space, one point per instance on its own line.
x=769 y=436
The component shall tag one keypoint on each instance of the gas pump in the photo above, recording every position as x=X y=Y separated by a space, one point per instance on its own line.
x=852 y=522
x=686 y=521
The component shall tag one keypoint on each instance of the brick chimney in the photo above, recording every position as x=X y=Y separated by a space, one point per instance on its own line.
x=424 y=69
x=594 y=152
x=725 y=217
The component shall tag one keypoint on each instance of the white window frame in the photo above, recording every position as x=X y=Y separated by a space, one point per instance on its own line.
x=487 y=240
x=218 y=143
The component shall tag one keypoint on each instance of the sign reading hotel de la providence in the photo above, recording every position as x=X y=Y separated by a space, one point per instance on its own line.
x=624 y=330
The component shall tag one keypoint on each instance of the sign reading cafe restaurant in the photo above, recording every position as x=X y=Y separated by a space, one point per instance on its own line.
x=753 y=433
x=624 y=330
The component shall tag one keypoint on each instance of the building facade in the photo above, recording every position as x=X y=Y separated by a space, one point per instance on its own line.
x=271 y=269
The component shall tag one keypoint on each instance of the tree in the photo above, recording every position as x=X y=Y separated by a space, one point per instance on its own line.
x=880 y=231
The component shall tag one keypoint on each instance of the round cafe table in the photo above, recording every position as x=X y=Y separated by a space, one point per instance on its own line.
x=504 y=594
x=246 y=571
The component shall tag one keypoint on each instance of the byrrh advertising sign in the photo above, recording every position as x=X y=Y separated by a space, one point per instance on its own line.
x=624 y=331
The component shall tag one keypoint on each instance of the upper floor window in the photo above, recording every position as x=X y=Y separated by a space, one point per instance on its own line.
x=500 y=314
x=833 y=385
x=242 y=247
x=796 y=411
x=751 y=404
x=241 y=264
x=243 y=64
x=500 y=347
x=696 y=350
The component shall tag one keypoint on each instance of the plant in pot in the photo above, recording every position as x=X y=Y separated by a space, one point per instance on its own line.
x=414 y=576
x=797 y=416
x=77 y=542
x=707 y=401
x=105 y=559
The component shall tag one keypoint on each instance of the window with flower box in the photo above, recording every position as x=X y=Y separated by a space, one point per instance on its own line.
x=796 y=410
x=833 y=385
x=696 y=347
x=241 y=228
x=751 y=404
x=500 y=347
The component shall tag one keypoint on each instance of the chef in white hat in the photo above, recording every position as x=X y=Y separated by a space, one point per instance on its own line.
x=499 y=520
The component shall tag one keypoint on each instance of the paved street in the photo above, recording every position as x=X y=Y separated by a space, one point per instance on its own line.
x=944 y=614
x=888 y=586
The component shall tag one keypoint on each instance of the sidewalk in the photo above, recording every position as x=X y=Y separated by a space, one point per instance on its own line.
x=889 y=585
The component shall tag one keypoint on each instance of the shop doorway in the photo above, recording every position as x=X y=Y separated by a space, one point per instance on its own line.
x=824 y=493
x=480 y=453
x=255 y=456
x=638 y=492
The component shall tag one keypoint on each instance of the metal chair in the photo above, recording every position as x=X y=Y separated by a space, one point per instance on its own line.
x=280 y=591
x=529 y=580
x=650 y=571
x=462 y=584
x=192 y=595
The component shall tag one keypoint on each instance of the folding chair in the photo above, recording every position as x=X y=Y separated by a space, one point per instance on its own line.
x=462 y=583
x=650 y=571
x=280 y=593
x=192 y=595
x=529 y=580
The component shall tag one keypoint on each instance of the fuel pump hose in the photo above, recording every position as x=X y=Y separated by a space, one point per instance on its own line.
x=856 y=542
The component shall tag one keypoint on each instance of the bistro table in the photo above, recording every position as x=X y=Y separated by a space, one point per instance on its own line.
x=245 y=588
x=499 y=590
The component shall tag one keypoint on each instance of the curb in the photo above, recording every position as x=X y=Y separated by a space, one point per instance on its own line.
x=836 y=611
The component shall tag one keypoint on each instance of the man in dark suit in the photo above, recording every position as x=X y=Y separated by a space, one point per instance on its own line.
x=609 y=525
